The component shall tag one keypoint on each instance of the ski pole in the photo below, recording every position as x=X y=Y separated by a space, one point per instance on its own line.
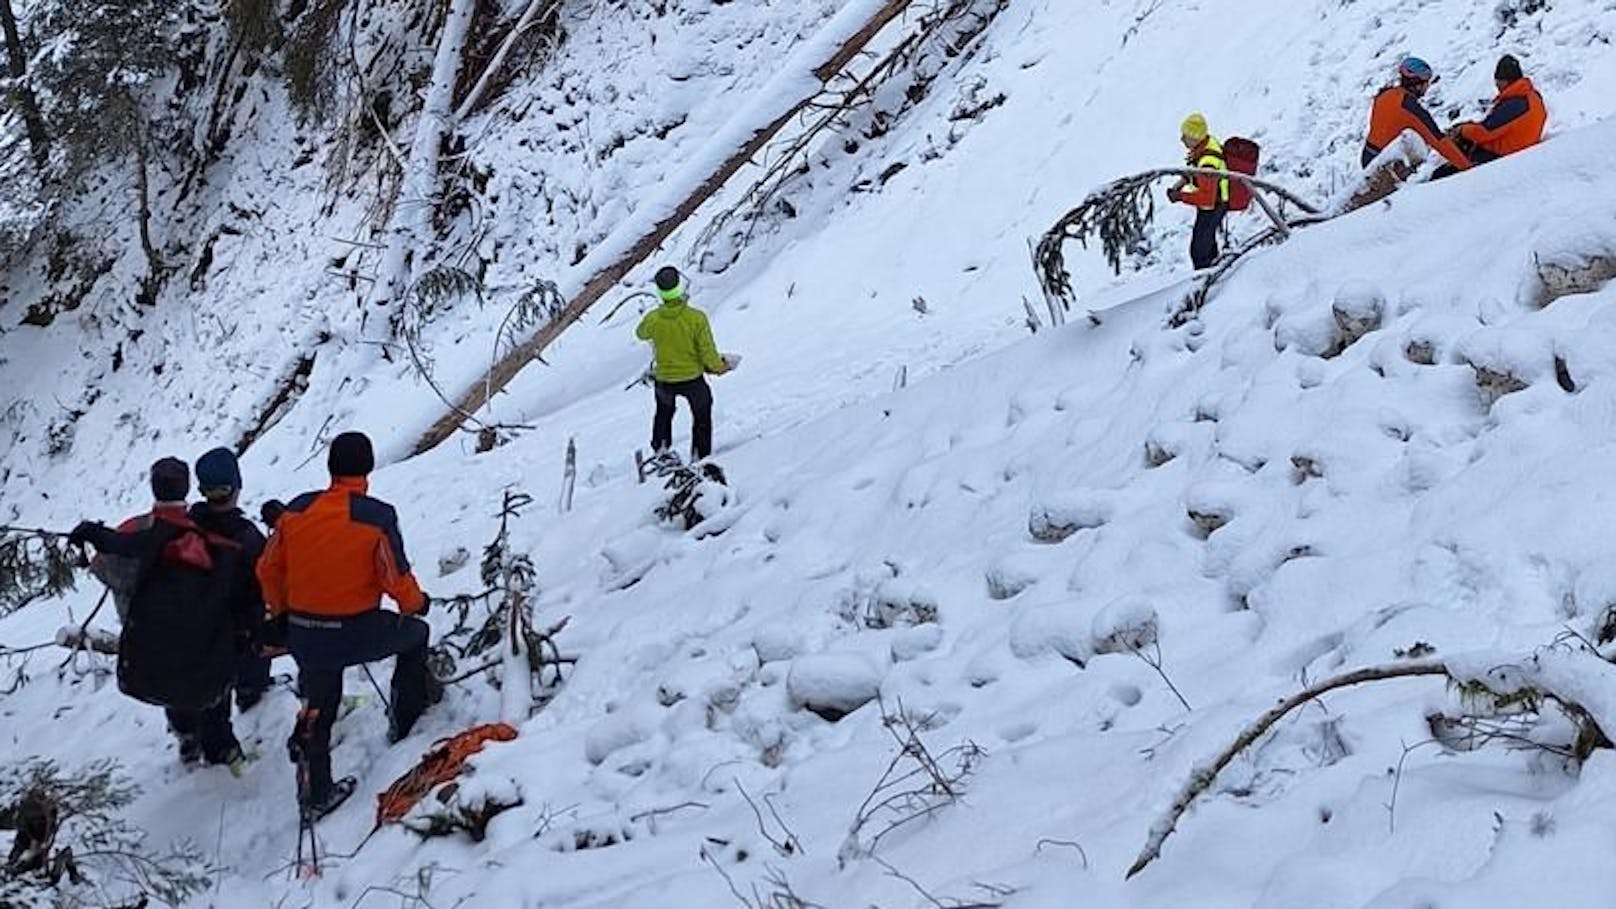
x=385 y=703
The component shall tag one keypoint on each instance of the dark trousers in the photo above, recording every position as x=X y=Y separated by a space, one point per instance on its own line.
x=700 y=397
x=323 y=648
x=1204 y=240
x=252 y=669
x=207 y=729
x=1474 y=152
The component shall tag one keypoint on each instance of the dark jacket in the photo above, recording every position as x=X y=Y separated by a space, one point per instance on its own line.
x=178 y=646
x=247 y=599
x=122 y=573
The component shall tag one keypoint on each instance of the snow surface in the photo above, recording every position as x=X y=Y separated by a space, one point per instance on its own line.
x=888 y=542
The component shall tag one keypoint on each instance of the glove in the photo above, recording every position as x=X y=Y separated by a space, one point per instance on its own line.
x=1174 y=194
x=426 y=607
x=88 y=532
x=271 y=512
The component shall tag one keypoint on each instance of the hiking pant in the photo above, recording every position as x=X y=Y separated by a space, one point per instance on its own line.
x=1475 y=153
x=700 y=397
x=323 y=648
x=207 y=729
x=252 y=669
x=1204 y=241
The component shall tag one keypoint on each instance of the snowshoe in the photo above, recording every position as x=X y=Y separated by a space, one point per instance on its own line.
x=659 y=464
x=330 y=800
x=714 y=473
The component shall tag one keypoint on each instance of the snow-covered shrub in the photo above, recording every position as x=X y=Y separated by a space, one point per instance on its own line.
x=1210 y=506
x=466 y=804
x=1506 y=360
x=891 y=604
x=1053 y=522
x=834 y=685
x=1308 y=330
x=1009 y=577
x=1128 y=625
x=1357 y=311
x=70 y=847
x=1568 y=273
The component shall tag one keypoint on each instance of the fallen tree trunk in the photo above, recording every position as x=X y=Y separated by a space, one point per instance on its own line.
x=1581 y=682
x=736 y=144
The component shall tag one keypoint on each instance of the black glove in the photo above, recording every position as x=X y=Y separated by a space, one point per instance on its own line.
x=426 y=607
x=88 y=532
x=271 y=512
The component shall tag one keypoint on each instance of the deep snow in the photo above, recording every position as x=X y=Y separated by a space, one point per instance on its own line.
x=881 y=538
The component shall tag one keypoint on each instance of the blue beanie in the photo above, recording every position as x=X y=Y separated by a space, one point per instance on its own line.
x=217 y=473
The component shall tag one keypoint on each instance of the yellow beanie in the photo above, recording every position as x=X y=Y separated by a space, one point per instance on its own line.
x=1194 y=127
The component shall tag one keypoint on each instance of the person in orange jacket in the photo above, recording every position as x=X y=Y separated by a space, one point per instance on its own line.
x=332 y=556
x=1398 y=108
x=1208 y=194
x=1514 y=123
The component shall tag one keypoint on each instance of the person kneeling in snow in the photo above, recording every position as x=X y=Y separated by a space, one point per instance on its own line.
x=685 y=353
x=1209 y=194
x=330 y=558
x=1514 y=123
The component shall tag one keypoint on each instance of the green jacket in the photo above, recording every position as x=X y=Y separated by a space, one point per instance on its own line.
x=683 y=342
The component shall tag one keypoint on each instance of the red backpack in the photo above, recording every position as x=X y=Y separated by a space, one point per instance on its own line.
x=1242 y=156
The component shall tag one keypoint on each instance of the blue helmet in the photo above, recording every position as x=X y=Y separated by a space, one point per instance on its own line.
x=1415 y=68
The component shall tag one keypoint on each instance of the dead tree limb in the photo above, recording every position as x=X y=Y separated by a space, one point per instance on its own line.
x=531 y=16
x=1576 y=680
x=1119 y=213
x=1204 y=775
x=948 y=29
x=649 y=235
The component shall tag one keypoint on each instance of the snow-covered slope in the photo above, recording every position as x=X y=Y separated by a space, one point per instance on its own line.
x=1367 y=503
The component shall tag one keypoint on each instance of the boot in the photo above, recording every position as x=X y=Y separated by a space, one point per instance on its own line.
x=322 y=803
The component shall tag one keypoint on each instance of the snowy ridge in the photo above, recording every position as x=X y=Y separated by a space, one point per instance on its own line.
x=1266 y=495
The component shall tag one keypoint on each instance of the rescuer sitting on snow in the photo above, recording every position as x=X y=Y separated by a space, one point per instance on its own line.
x=1398 y=107
x=1514 y=123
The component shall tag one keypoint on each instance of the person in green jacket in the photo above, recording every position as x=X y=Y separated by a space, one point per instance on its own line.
x=685 y=354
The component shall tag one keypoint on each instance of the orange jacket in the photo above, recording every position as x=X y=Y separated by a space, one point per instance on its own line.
x=334 y=553
x=1205 y=191
x=1515 y=122
x=1396 y=109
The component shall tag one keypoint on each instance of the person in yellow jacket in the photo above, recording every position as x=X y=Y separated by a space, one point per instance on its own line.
x=1209 y=194
x=685 y=354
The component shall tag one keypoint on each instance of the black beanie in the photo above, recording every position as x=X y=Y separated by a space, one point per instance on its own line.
x=351 y=455
x=1509 y=69
x=667 y=278
x=170 y=480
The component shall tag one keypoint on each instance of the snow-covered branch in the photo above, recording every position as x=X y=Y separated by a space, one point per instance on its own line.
x=1580 y=681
